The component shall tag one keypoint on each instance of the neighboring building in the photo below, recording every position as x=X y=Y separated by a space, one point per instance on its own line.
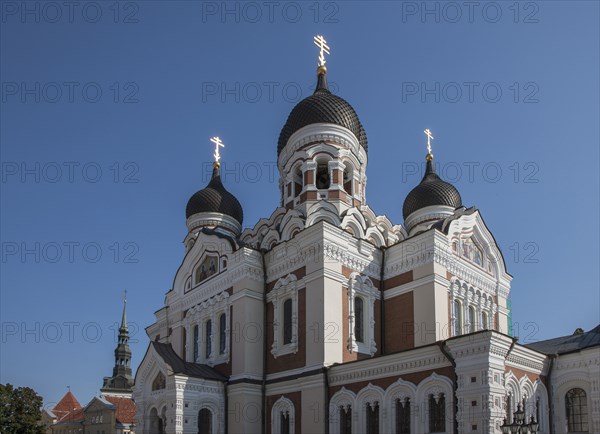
x=326 y=317
x=110 y=414
x=65 y=416
x=113 y=412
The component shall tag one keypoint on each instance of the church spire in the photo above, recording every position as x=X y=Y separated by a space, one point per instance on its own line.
x=124 y=317
x=121 y=382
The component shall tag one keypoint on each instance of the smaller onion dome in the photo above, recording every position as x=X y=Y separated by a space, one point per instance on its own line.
x=214 y=198
x=432 y=190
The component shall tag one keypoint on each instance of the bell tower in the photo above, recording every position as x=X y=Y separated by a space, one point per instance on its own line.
x=322 y=149
x=121 y=382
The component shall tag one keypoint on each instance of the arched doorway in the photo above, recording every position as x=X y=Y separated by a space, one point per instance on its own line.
x=205 y=421
x=156 y=423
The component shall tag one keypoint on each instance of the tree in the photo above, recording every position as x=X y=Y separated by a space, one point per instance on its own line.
x=20 y=410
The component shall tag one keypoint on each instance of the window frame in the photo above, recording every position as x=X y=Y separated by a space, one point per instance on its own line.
x=285 y=289
x=362 y=286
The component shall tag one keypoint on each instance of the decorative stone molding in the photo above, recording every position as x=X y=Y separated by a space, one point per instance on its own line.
x=285 y=288
x=362 y=287
x=283 y=406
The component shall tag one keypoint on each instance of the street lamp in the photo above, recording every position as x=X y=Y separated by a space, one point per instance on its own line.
x=519 y=424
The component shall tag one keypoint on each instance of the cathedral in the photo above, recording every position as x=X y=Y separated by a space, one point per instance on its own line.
x=327 y=318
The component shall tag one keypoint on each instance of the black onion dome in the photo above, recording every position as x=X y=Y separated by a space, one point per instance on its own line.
x=214 y=198
x=432 y=190
x=322 y=107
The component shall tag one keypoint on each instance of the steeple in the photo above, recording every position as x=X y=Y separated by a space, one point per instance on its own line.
x=121 y=382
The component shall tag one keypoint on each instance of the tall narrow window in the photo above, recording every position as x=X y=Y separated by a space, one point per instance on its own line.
x=437 y=413
x=457 y=318
x=284 y=423
x=205 y=421
x=577 y=411
x=472 y=325
x=359 y=319
x=222 y=333
x=208 y=339
x=346 y=420
x=196 y=337
x=403 y=416
x=348 y=179
x=485 y=322
x=323 y=181
x=287 y=321
x=297 y=181
x=373 y=418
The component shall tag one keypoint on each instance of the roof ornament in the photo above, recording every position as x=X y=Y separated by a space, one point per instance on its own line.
x=429 y=156
x=218 y=144
x=320 y=42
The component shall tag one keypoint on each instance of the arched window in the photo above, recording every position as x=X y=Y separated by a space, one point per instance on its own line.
x=345 y=420
x=576 y=410
x=282 y=416
x=284 y=422
x=485 y=322
x=159 y=382
x=205 y=421
x=222 y=333
x=208 y=339
x=403 y=416
x=323 y=180
x=196 y=337
x=437 y=413
x=348 y=179
x=297 y=186
x=457 y=318
x=359 y=321
x=287 y=321
x=373 y=418
x=472 y=327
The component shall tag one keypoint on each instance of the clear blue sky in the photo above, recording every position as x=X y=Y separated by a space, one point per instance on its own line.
x=96 y=184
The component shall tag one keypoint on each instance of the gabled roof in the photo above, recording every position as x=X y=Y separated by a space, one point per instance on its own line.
x=72 y=417
x=180 y=366
x=66 y=405
x=568 y=344
x=125 y=409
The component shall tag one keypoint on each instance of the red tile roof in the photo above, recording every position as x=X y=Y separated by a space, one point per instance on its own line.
x=125 y=408
x=66 y=405
x=74 y=416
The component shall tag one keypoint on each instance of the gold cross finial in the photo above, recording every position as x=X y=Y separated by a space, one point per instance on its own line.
x=322 y=44
x=429 y=137
x=218 y=144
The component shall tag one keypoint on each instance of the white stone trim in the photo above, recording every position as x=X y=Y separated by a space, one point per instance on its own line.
x=285 y=288
x=199 y=315
x=282 y=405
x=362 y=286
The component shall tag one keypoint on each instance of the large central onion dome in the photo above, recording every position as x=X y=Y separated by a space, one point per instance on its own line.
x=431 y=191
x=215 y=199
x=322 y=107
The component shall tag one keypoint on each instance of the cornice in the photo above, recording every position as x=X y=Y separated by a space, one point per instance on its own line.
x=406 y=362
